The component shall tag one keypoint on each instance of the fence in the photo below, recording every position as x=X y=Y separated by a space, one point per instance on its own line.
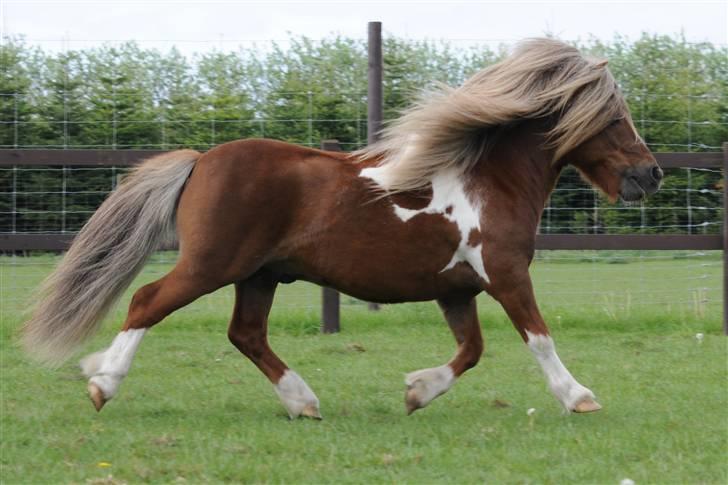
x=330 y=299
x=17 y=241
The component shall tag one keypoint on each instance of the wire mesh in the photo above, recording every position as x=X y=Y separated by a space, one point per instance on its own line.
x=121 y=115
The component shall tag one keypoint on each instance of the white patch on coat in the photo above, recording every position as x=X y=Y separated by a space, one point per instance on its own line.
x=430 y=383
x=295 y=394
x=377 y=174
x=566 y=389
x=108 y=367
x=449 y=200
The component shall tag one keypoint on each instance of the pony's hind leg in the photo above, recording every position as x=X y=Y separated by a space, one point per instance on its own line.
x=248 y=331
x=150 y=304
x=425 y=385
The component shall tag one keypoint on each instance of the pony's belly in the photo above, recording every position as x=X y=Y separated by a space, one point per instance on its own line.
x=383 y=281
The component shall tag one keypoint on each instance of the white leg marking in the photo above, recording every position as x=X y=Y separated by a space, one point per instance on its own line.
x=296 y=396
x=566 y=389
x=107 y=368
x=449 y=200
x=430 y=383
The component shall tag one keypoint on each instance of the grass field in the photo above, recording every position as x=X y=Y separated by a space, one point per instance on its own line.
x=193 y=410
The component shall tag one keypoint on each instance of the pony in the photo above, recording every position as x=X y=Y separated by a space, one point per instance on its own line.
x=444 y=207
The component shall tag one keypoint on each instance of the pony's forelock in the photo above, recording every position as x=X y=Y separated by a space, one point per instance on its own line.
x=542 y=77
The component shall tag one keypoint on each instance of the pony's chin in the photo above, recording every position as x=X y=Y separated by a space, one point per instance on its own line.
x=631 y=191
x=631 y=198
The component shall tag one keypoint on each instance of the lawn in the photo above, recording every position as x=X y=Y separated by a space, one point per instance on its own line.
x=194 y=410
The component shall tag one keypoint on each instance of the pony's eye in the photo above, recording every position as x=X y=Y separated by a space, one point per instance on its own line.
x=615 y=121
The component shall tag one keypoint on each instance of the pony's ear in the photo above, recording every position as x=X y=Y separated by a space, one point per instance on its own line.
x=601 y=63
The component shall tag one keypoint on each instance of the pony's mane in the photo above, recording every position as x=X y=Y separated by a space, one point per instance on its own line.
x=448 y=127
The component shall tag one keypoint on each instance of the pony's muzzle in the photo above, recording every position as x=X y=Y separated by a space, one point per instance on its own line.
x=640 y=181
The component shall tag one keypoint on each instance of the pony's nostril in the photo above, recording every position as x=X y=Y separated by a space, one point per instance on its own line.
x=656 y=173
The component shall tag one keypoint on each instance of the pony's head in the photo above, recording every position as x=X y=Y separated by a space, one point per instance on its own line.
x=617 y=161
x=591 y=125
x=543 y=79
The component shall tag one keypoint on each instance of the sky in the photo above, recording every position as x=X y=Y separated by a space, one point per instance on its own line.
x=202 y=25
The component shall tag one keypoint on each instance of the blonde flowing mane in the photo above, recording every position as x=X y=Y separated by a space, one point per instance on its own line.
x=447 y=127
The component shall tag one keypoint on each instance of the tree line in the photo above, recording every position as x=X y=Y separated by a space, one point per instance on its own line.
x=302 y=91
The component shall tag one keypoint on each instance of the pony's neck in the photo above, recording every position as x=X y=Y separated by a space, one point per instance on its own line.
x=519 y=168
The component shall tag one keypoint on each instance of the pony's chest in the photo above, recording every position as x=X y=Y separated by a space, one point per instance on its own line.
x=449 y=203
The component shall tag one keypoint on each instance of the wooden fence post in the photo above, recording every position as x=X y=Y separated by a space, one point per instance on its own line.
x=725 y=238
x=375 y=103
x=330 y=300
x=330 y=310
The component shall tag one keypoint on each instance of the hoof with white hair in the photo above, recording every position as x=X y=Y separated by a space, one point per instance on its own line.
x=90 y=366
x=587 y=406
x=97 y=396
x=425 y=385
x=297 y=397
x=101 y=388
x=107 y=368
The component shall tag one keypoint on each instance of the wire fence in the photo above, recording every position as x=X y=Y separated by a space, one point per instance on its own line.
x=58 y=200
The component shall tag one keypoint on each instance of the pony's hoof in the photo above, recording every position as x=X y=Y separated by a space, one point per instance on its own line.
x=312 y=412
x=412 y=400
x=588 y=405
x=97 y=396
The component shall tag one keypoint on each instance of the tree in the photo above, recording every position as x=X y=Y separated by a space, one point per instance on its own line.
x=128 y=97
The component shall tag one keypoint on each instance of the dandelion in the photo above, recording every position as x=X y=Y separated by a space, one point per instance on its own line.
x=531 y=411
x=103 y=464
x=699 y=337
x=626 y=481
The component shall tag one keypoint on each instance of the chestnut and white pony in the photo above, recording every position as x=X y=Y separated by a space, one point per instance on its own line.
x=445 y=207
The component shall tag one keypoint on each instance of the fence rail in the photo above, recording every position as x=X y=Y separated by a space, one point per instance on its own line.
x=125 y=158
x=330 y=298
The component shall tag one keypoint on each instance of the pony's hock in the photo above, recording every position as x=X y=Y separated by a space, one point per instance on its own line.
x=445 y=206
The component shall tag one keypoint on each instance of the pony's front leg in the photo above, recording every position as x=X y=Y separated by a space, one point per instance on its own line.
x=425 y=385
x=519 y=302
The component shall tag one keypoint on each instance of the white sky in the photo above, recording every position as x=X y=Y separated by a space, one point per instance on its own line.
x=199 y=25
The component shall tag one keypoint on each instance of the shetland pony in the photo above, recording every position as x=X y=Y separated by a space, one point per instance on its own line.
x=444 y=207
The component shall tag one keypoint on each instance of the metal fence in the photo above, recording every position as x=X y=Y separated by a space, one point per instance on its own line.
x=10 y=242
x=29 y=158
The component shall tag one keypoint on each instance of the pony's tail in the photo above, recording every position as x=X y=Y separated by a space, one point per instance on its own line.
x=105 y=257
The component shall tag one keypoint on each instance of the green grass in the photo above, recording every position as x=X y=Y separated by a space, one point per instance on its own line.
x=194 y=409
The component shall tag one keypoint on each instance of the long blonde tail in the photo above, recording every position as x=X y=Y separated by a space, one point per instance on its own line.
x=105 y=257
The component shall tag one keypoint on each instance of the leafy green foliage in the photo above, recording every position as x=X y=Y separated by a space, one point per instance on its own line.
x=128 y=97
